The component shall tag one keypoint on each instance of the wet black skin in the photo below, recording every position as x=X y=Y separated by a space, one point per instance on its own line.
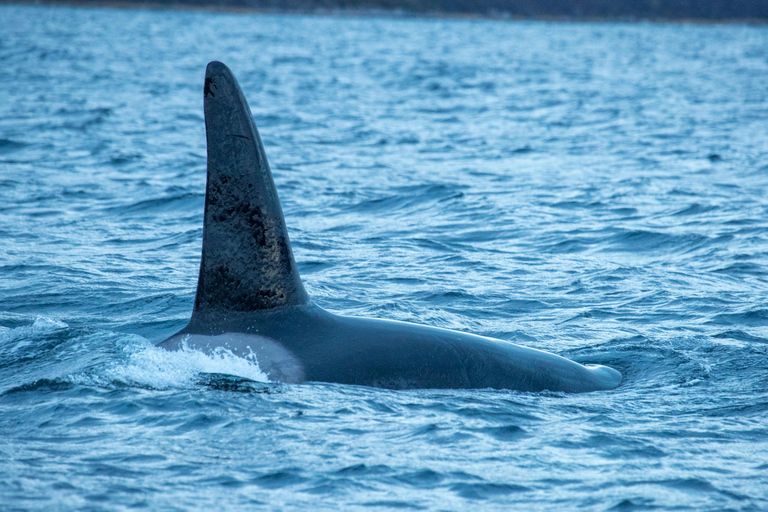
x=250 y=298
x=381 y=353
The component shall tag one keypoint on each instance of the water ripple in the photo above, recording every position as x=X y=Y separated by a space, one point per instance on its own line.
x=597 y=190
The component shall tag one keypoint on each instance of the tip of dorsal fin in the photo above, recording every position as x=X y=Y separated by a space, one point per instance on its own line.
x=247 y=262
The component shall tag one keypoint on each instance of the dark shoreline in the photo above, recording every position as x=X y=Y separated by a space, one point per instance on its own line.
x=382 y=12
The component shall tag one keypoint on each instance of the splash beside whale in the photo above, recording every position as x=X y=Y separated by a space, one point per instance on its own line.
x=250 y=298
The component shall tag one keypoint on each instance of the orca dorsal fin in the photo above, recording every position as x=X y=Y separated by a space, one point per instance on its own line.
x=247 y=263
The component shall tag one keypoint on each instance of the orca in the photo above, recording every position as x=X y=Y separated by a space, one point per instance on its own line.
x=250 y=299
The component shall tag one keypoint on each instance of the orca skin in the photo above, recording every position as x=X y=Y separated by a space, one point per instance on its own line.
x=251 y=301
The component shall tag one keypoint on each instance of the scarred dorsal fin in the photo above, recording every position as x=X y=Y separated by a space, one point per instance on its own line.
x=247 y=262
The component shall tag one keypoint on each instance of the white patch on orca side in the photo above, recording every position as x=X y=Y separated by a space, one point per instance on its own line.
x=146 y=365
x=272 y=358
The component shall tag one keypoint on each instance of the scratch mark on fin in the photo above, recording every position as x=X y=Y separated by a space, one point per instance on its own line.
x=207 y=89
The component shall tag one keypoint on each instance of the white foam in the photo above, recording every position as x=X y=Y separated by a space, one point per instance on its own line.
x=145 y=365
x=25 y=334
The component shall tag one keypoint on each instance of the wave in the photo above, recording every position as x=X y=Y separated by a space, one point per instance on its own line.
x=147 y=366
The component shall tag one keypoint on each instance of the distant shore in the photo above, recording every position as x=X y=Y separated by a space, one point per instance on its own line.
x=385 y=8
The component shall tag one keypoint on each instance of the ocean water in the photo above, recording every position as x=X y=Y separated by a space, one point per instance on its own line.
x=595 y=190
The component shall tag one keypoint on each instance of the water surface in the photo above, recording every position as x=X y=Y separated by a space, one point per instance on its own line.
x=595 y=190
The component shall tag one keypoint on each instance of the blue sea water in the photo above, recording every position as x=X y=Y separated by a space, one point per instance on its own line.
x=595 y=190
